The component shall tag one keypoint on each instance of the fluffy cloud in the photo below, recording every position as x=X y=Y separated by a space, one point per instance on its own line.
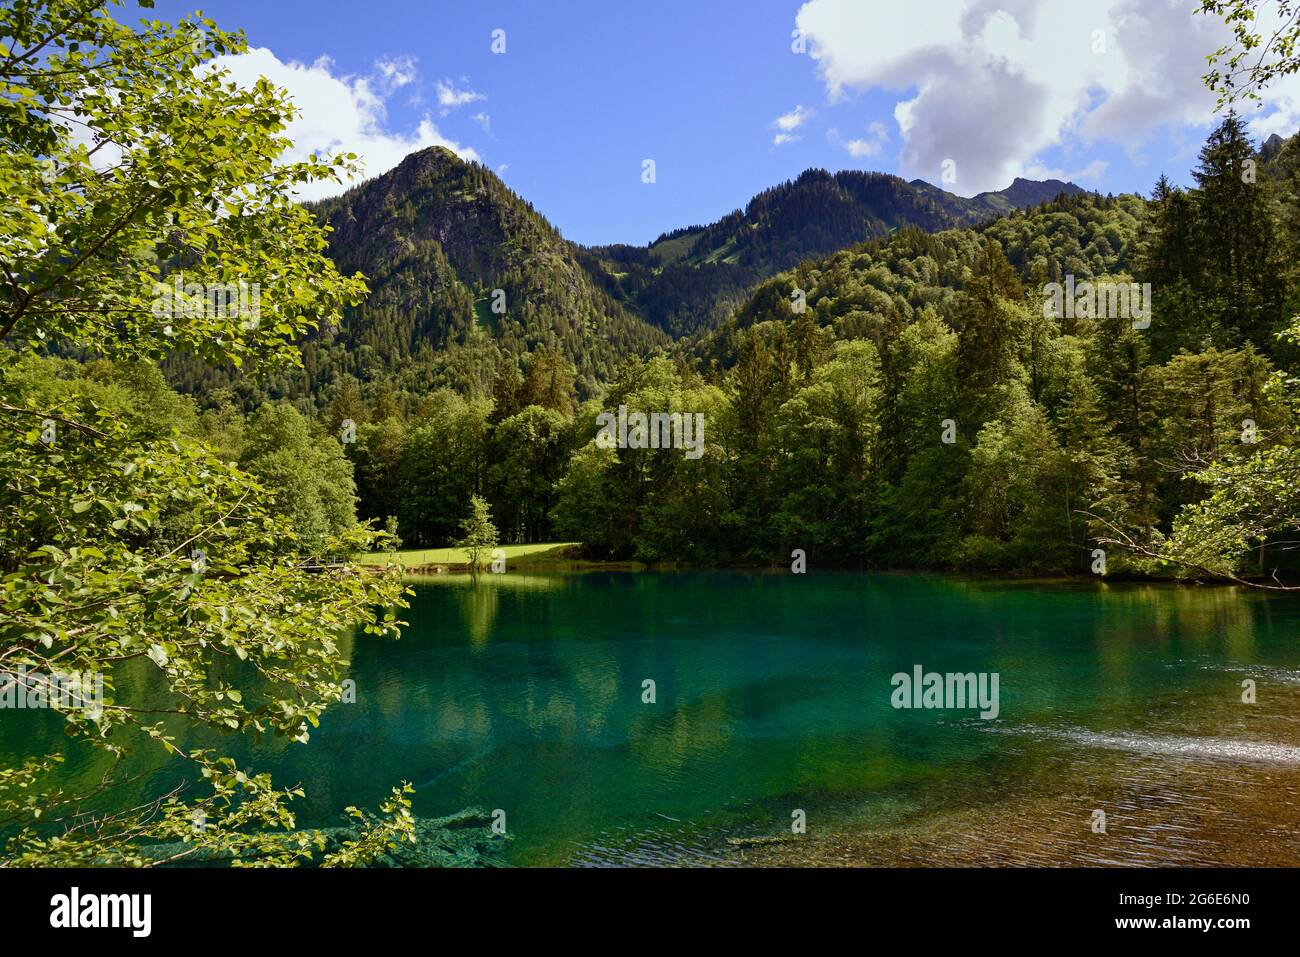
x=792 y=120
x=870 y=145
x=991 y=84
x=449 y=98
x=396 y=73
x=342 y=113
x=787 y=123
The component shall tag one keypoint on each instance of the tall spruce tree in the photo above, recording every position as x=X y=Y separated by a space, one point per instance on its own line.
x=1236 y=254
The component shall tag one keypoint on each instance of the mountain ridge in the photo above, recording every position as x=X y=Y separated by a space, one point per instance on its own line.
x=814 y=214
x=453 y=255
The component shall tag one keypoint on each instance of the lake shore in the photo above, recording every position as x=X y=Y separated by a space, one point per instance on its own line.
x=568 y=557
x=1226 y=796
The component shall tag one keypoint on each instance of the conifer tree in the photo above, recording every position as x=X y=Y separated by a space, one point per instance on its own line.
x=1236 y=251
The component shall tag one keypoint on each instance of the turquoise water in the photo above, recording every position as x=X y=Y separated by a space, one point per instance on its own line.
x=773 y=696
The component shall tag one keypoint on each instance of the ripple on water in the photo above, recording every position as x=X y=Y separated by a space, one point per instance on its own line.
x=673 y=847
x=1182 y=746
x=1170 y=799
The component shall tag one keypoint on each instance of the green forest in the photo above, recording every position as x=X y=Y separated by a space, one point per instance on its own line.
x=826 y=393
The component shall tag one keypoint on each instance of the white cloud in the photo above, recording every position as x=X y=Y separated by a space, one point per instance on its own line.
x=450 y=98
x=1091 y=174
x=871 y=144
x=397 y=72
x=787 y=123
x=483 y=120
x=341 y=113
x=991 y=84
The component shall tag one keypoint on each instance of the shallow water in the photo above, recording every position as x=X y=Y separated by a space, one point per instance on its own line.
x=773 y=696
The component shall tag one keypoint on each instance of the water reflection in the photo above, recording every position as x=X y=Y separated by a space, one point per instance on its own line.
x=524 y=692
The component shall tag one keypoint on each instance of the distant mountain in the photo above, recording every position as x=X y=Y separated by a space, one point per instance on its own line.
x=690 y=279
x=1271 y=148
x=875 y=289
x=436 y=236
x=1027 y=193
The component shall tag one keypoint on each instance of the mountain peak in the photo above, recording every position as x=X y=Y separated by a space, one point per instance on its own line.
x=1024 y=193
x=1271 y=148
x=431 y=157
x=440 y=153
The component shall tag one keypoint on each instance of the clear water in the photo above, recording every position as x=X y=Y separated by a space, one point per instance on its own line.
x=772 y=696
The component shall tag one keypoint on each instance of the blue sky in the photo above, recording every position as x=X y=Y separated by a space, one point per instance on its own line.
x=588 y=89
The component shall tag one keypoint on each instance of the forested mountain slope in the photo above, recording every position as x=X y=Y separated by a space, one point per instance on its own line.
x=905 y=402
x=436 y=238
x=690 y=279
x=879 y=286
x=463 y=276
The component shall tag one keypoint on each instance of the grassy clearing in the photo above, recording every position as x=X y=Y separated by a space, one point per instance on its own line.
x=515 y=555
x=671 y=250
x=483 y=316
